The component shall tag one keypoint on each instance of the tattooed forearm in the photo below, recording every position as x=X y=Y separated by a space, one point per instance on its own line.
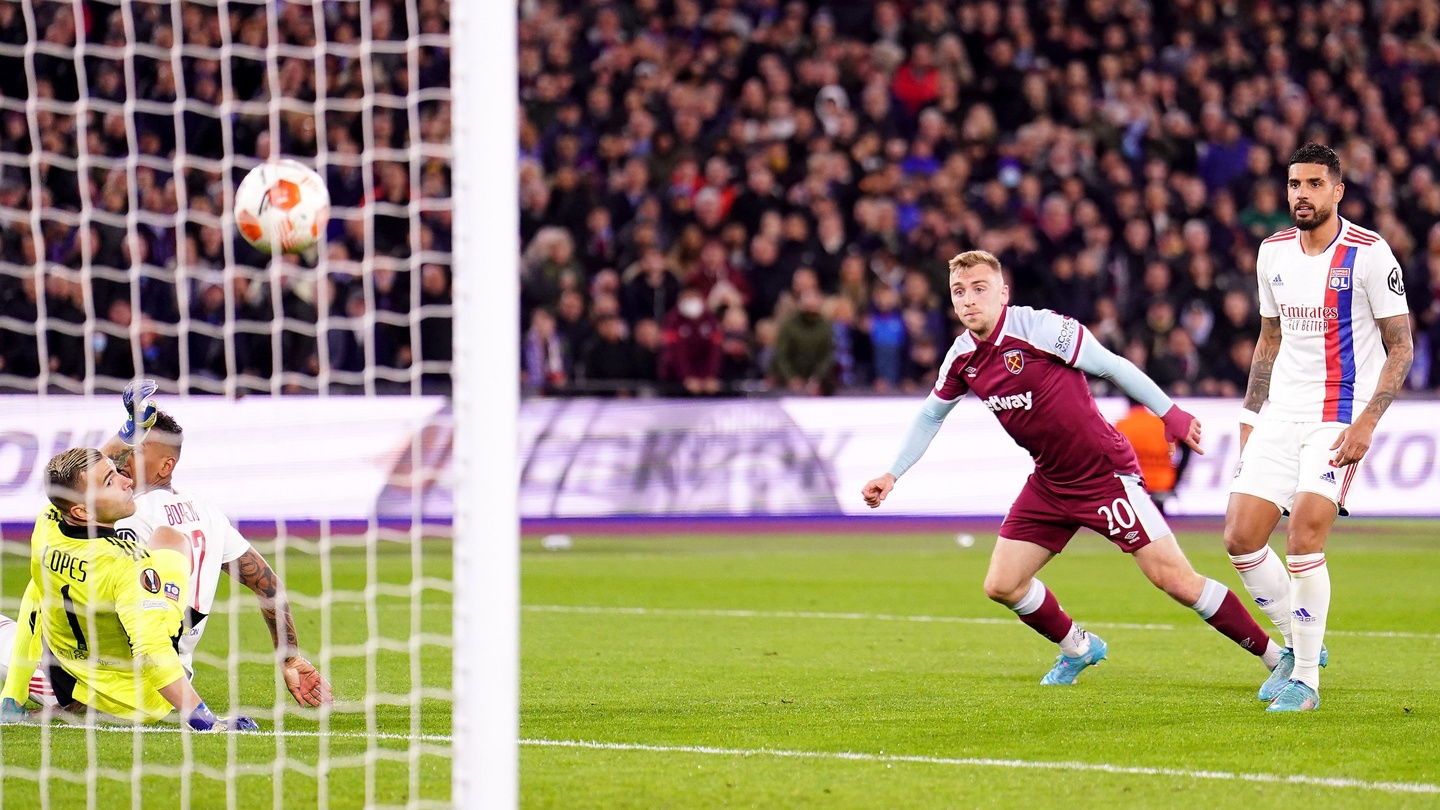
x=1399 y=352
x=1267 y=348
x=254 y=573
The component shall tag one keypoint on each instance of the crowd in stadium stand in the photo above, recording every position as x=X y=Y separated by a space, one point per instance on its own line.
x=746 y=195
x=115 y=252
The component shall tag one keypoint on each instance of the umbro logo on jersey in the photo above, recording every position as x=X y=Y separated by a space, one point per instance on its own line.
x=1304 y=615
x=971 y=371
x=1328 y=478
x=1276 y=282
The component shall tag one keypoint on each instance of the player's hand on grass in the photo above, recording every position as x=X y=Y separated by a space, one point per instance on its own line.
x=876 y=489
x=1182 y=427
x=140 y=411
x=1352 y=443
x=237 y=723
x=306 y=683
x=202 y=719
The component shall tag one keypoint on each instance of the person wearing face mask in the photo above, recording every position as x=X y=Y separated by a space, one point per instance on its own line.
x=805 y=348
x=691 y=354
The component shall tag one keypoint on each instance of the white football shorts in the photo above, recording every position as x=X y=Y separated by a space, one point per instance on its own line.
x=1283 y=458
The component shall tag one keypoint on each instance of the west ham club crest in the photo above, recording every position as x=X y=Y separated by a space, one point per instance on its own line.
x=1014 y=360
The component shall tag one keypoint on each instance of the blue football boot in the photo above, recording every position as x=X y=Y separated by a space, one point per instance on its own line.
x=1295 y=697
x=1067 y=669
x=1280 y=675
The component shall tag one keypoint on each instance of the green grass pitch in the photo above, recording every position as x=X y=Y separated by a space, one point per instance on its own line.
x=701 y=657
x=348 y=780
x=762 y=642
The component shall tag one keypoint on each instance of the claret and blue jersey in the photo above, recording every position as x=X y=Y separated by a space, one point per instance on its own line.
x=1025 y=374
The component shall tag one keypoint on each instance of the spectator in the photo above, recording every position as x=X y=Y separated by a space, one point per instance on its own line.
x=691 y=355
x=546 y=364
x=609 y=358
x=737 y=363
x=805 y=348
x=887 y=337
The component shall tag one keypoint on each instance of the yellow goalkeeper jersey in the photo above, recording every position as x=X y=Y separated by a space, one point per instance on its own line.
x=110 y=613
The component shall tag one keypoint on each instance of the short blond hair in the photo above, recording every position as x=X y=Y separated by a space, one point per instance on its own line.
x=973 y=258
x=65 y=476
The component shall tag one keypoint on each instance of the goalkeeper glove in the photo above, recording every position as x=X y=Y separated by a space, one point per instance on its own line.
x=140 y=411
x=202 y=719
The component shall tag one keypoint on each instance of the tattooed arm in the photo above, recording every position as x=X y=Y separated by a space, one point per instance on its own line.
x=1262 y=365
x=1354 y=441
x=1267 y=348
x=302 y=679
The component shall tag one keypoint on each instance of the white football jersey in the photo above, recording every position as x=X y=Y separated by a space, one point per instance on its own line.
x=213 y=542
x=1330 y=348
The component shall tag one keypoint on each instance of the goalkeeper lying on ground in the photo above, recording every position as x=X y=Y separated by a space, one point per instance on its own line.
x=147 y=449
x=107 y=610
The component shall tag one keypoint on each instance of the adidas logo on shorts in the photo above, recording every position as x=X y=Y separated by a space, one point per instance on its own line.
x=1328 y=478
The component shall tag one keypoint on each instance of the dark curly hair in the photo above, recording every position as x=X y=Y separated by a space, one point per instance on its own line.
x=1318 y=153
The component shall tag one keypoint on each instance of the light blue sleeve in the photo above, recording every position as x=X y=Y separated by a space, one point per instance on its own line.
x=1095 y=359
x=917 y=439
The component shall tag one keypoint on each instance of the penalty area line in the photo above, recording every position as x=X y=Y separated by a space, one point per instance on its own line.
x=1016 y=764
x=887 y=617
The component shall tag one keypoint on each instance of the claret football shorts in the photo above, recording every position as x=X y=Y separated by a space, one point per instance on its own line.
x=1116 y=506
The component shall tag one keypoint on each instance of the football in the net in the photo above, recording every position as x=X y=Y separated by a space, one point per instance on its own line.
x=282 y=207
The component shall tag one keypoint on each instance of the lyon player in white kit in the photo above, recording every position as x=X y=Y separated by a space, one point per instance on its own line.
x=148 y=454
x=1334 y=351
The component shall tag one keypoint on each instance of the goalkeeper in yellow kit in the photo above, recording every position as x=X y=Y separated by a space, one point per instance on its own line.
x=103 y=611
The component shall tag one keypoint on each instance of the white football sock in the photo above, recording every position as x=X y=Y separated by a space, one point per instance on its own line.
x=1268 y=584
x=1271 y=657
x=1076 y=643
x=1310 y=602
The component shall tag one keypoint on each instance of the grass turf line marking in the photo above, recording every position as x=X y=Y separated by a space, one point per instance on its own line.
x=886 y=617
x=1271 y=778
x=287 y=733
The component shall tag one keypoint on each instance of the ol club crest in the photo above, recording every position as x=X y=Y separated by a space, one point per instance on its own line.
x=1339 y=278
x=1014 y=361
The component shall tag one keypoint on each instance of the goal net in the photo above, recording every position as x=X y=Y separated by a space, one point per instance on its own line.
x=314 y=391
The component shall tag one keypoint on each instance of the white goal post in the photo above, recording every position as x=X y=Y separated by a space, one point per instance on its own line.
x=487 y=281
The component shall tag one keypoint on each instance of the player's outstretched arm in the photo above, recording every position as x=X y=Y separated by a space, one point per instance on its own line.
x=149 y=599
x=1354 y=441
x=917 y=440
x=305 y=683
x=1094 y=358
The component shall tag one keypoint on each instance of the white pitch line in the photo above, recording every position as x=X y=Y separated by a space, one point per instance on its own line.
x=887 y=617
x=287 y=733
x=979 y=762
x=801 y=614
